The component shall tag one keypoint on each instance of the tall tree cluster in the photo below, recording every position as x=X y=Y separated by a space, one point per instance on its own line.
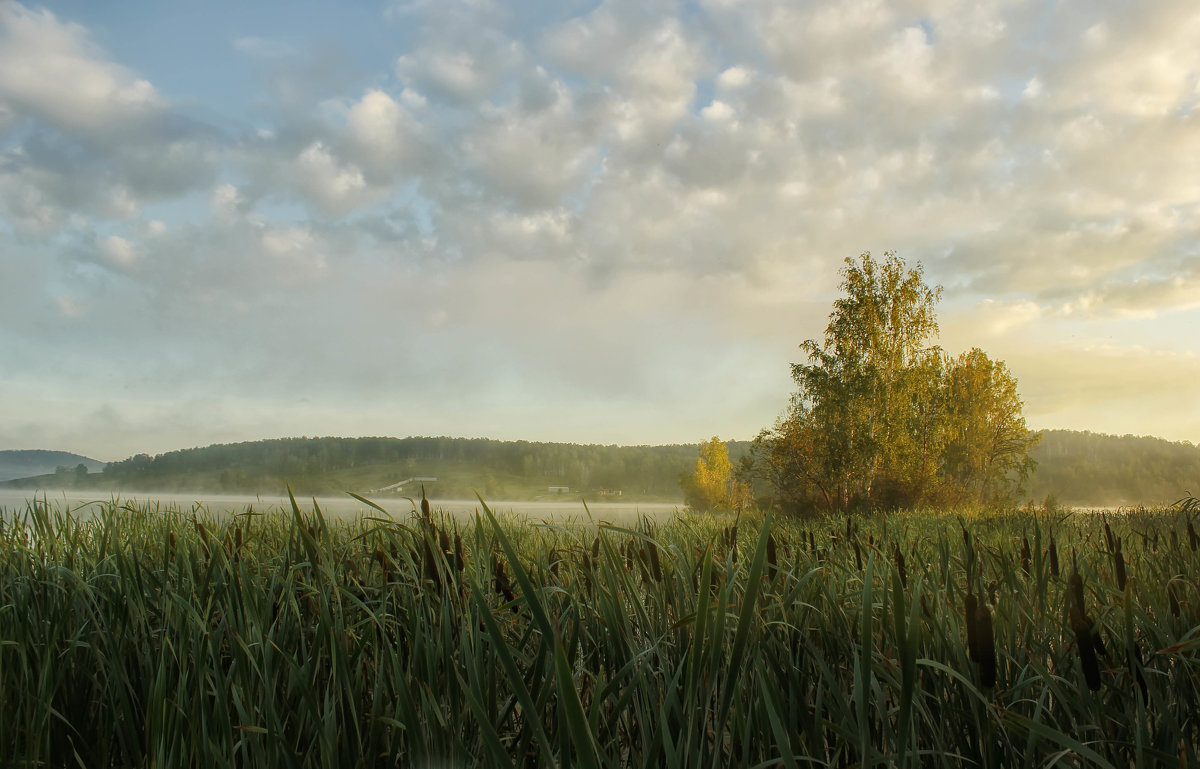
x=882 y=417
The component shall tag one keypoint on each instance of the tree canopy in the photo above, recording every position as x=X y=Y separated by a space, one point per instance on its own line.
x=712 y=485
x=882 y=417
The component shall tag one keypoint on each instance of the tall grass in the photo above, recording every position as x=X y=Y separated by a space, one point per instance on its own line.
x=160 y=637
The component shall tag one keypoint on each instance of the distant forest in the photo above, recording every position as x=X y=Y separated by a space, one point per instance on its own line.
x=1076 y=468
x=1084 y=468
x=497 y=469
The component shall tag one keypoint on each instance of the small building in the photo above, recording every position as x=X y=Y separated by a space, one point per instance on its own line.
x=560 y=489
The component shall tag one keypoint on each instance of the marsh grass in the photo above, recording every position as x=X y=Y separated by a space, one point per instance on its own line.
x=134 y=636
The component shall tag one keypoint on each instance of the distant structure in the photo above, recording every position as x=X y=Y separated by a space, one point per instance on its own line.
x=399 y=484
x=560 y=489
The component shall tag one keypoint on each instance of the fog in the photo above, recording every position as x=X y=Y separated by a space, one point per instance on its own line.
x=84 y=503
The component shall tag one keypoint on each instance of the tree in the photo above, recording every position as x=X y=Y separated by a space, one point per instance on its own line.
x=874 y=410
x=711 y=485
x=987 y=445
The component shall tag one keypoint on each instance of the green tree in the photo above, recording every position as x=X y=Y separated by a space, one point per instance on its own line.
x=877 y=404
x=987 y=444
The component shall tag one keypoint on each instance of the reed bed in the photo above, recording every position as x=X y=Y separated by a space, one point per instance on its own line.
x=141 y=637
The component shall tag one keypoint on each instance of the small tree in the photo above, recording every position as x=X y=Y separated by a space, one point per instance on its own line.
x=711 y=485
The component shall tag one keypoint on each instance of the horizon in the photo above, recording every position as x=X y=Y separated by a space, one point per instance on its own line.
x=606 y=223
x=527 y=440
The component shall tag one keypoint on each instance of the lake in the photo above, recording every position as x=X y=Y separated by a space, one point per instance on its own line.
x=567 y=509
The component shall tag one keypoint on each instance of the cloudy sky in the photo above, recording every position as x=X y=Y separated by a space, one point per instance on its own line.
x=605 y=222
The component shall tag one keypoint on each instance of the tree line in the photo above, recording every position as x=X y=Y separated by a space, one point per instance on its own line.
x=323 y=465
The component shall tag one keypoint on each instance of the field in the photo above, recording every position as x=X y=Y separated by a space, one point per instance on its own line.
x=148 y=637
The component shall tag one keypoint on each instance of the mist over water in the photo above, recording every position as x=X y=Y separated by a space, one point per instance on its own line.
x=14 y=501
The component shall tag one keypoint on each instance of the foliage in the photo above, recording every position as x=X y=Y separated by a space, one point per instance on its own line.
x=882 y=418
x=508 y=469
x=711 y=486
x=144 y=637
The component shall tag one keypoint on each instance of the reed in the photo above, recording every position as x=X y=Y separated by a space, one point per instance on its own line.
x=136 y=636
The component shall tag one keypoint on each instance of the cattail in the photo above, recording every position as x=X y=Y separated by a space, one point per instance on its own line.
x=858 y=555
x=383 y=560
x=1174 y=587
x=772 y=558
x=1085 y=641
x=971 y=615
x=1119 y=565
x=899 y=556
x=1135 y=667
x=655 y=565
x=1108 y=535
x=459 y=562
x=596 y=547
x=500 y=580
x=1075 y=584
x=171 y=543
x=429 y=563
x=1025 y=553
x=987 y=646
x=1193 y=540
x=1052 y=551
x=424 y=504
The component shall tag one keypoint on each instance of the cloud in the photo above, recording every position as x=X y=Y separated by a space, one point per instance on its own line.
x=118 y=252
x=94 y=138
x=600 y=207
x=53 y=70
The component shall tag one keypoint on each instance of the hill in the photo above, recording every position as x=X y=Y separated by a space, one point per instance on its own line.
x=24 y=463
x=462 y=466
x=1092 y=469
x=1076 y=468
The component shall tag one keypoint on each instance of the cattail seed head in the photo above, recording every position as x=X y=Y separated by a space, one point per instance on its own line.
x=1075 y=585
x=500 y=580
x=900 y=568
x=1119 y=565
x=772 y=558
x=1025 y=554
x=1052 y=552
x=987 y=646
x=1085 y=641
x=655 y=564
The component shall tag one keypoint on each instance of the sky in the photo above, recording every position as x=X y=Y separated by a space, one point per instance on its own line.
x=594 y=222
